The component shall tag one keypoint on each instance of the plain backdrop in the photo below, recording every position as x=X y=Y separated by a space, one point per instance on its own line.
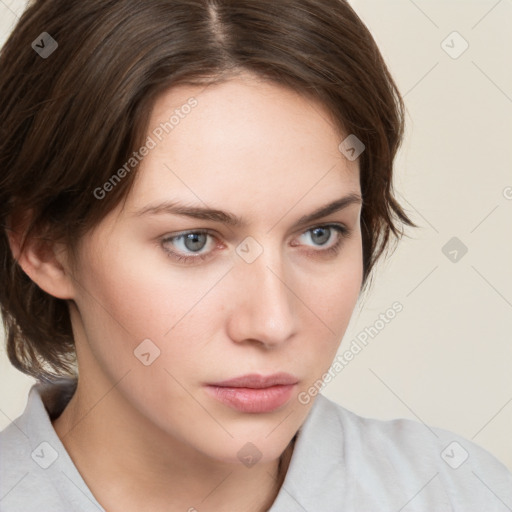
x=446 y=358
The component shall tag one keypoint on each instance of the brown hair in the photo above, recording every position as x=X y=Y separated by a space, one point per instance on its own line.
x=70 y=119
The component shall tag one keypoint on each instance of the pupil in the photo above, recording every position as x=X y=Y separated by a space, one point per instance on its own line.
x=195 y=241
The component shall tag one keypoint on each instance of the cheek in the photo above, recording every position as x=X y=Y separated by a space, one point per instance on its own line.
x=128 y=301
x=337 y=293
x=332 y=300
x=127 y=304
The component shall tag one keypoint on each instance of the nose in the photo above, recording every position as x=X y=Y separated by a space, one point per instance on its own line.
x=264 y=303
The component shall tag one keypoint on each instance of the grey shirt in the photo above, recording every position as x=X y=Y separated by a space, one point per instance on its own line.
x=341 y=462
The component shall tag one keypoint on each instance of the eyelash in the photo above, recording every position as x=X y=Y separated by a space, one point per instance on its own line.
x=342 y=231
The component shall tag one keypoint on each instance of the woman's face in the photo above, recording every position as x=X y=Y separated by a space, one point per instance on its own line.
x=163 y=315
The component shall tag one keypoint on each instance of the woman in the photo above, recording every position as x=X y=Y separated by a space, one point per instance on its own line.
x=194 y=195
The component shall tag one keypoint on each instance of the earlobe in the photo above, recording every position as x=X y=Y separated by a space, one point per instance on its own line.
x=44 y=263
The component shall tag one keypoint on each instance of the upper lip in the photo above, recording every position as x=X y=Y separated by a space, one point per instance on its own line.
x=257 y=381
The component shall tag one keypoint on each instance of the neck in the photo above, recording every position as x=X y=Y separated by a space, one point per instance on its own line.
x=156 y=471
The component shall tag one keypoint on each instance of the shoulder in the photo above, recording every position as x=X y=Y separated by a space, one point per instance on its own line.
x=14 y=447
x=409 y=453
x=15 y=450
x=36 y=472
x=23 y=484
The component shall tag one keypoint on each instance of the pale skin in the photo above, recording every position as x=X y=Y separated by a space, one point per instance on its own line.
x=150 y=437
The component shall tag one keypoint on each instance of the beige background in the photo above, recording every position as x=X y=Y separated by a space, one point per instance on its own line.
x=446 y=358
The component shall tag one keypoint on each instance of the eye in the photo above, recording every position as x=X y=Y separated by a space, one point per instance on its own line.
x=190 y=246
x=327 y=238
x=196 y=246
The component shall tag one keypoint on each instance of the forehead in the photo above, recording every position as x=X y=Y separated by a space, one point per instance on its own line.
x=247 y=143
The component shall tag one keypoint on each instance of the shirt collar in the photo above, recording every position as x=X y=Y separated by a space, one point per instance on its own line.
x=314 y=480
x=45 y=402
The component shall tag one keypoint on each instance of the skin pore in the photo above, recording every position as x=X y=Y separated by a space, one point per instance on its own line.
x=150 y=437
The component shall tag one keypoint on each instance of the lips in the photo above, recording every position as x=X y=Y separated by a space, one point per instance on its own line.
x=254 y=393
x=256 y=381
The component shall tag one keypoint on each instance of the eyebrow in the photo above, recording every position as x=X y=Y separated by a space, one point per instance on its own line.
x=211 y=214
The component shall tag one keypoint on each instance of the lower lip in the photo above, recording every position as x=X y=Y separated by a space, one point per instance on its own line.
x=253 y=400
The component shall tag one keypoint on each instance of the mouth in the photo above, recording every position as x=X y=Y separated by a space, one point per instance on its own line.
x=254 y=393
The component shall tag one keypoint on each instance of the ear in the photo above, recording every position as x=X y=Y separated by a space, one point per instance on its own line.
x=43 y=260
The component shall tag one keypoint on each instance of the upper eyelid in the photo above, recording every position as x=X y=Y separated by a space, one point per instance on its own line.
x=303 y=230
